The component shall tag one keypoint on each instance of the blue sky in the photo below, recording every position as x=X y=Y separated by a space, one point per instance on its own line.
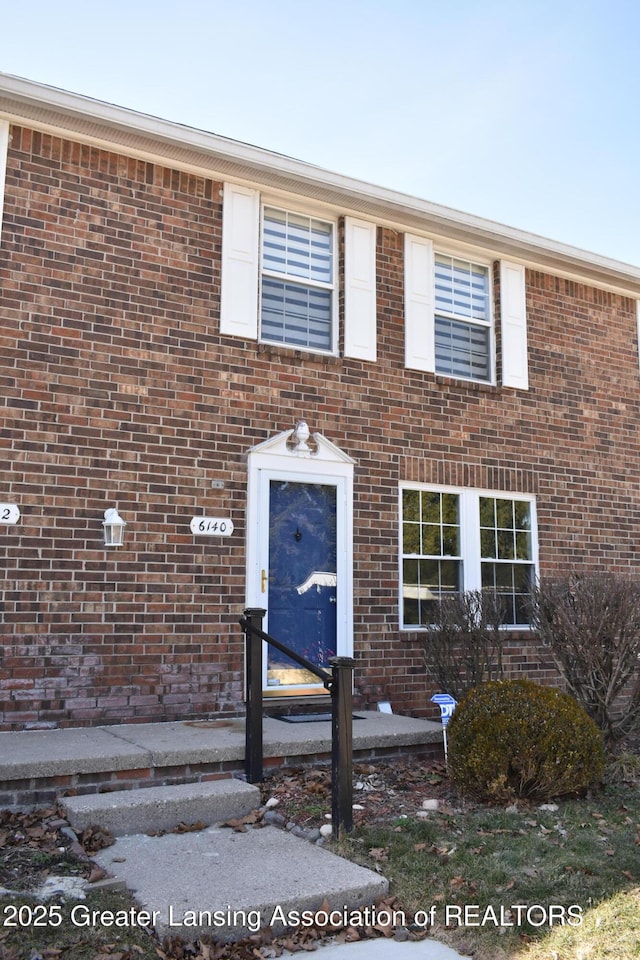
x=522 y=112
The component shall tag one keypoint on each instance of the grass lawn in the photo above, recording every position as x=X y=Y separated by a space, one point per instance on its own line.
x=531 y=884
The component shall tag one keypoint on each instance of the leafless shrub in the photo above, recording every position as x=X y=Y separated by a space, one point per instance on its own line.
x=591 y=627
x=463 y=646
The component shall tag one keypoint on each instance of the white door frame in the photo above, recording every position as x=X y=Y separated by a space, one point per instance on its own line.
x=324 y=463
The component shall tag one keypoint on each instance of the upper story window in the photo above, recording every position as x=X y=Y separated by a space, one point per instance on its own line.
x=450 y=319
x=297 y=280
x=454 y=540
x=279 y=277
x=462 y=318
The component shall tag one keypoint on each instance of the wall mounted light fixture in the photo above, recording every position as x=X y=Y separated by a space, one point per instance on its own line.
x=113 y=528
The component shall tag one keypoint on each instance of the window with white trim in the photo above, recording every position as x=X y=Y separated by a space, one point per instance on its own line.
x=454 y=540
x=462 y=318
x=297 y=303
x=279 y=276
x=450 y=323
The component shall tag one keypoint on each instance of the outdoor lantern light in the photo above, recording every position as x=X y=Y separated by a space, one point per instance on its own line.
x=113 y=528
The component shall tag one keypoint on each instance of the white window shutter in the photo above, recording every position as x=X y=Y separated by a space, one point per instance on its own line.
x=515 y=364
x=240 y=260
x=360 y=314
x=419 y=322
x=4 y=147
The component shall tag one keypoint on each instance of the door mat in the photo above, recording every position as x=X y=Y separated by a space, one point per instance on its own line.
x=309 y=717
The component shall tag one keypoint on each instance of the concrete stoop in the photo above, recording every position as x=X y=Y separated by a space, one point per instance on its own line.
x=38 y=766
x=125 y=812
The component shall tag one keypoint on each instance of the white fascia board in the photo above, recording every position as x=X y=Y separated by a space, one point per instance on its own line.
x=115 y=128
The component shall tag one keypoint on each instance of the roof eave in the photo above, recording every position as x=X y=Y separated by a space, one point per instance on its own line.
x=62 y=113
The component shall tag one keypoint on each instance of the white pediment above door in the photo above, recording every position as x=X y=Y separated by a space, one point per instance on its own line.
x=316 y=449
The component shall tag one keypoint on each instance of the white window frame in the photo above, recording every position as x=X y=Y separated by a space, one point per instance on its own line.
x=468 y=257
x=419 y=311
x=301 y=210
x=469 y=501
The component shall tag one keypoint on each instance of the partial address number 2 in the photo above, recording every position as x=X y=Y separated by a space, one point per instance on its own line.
x=9 y=513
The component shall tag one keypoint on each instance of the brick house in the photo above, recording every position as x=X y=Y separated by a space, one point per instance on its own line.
x=299 y=392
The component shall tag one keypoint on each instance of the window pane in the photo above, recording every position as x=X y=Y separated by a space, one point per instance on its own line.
x=297 y=246
x=297 y=315
x=431 y=507
x=487 y=543
x=450 y=542
x=522 y=577
x=410 y=538
x=487 y=512
x=411 y=504
x=521 y=609
x=462 y=288
x=488 y=576
x=450 y=576
x=462 y=349
x=505 y=545
x=431 y=542
x=410 y=611
x=523 y=546
x=503 y=576
x=450 y=508
x=410 y=571
x=522 y=514
x=504 y=514
x=430 y=574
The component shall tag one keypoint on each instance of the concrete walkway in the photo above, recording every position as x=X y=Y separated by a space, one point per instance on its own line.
x=385 y=949
x=216 y=869
x=216 y=882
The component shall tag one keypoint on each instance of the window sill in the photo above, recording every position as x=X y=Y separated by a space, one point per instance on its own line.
x=282 y=350
x=479 y=386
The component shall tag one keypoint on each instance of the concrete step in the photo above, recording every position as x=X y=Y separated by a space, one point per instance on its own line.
x=148 y=809
x=227 y=884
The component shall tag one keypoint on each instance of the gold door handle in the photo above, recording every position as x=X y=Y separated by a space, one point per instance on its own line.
x=263 y=580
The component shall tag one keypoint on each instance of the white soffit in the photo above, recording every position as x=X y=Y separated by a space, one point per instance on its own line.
x=114 y=128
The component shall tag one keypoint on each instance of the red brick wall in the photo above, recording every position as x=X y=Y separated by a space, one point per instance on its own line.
x=118 y=388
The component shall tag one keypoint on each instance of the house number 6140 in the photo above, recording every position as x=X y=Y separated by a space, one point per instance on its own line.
x=212 y=526
x=9 y=513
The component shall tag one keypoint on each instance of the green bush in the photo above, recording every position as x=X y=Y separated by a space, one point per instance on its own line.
x=513 y=738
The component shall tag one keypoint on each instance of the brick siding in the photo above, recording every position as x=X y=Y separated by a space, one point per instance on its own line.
x=117 y=388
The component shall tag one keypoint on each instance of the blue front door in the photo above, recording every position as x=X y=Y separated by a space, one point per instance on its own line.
x=302 y=579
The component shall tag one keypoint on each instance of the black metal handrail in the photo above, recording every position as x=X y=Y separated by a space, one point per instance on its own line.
x=324 y=675
x=339 y=682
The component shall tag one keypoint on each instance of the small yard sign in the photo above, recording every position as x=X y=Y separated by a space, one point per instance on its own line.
x=447 y=705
